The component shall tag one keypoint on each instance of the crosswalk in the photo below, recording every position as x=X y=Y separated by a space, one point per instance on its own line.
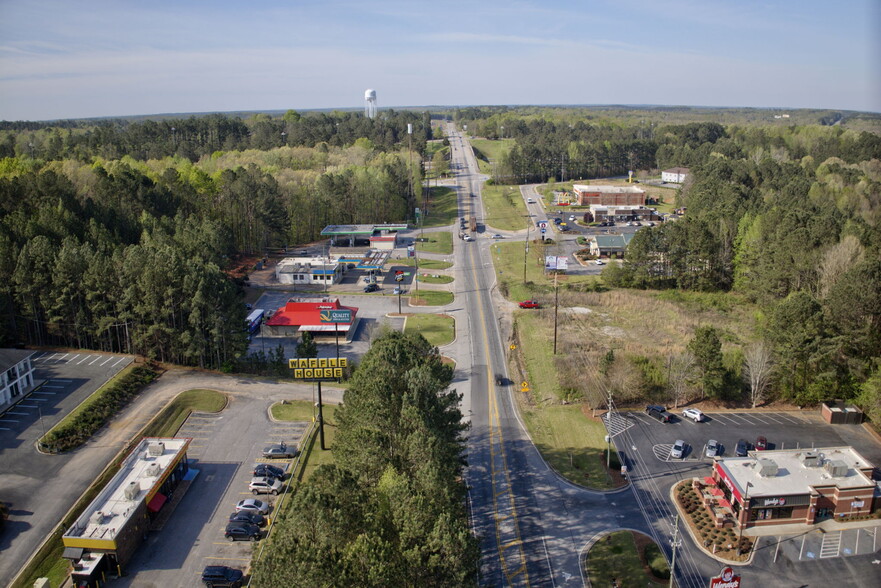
x=831 y=545
x=616 y=423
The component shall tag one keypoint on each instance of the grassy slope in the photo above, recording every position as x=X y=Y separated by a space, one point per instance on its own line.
x=504 y=207
x=438 y=242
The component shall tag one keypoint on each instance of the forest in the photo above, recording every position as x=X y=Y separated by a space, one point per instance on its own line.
x=119 y=236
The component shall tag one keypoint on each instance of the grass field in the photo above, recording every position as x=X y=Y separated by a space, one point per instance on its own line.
x=505 y=209
x=431 y=298
x=423 y=263
x=616 y=557
x=436 y=279
x=508 y=258
x=294 y=410
x=492 y=149
x=438 y=329
x=313 y=456
x=436 y=242
x=170 y=419
x=442 y=208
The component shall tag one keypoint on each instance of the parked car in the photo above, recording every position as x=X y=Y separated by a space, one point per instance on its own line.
x=557 y=220
x=678 y=449
x=761 y=444
x=252 y=505
x=693 y=414
x=222 y=577
x=265 y=469
x=247 y=516
x=600 y=262
x=371 y=288
x=265 y=485
x=242 y=532
x=397 y=291
x=712 y=448
x=280 y=450
x=530 y=304
x=741 y=448
x=658 y=412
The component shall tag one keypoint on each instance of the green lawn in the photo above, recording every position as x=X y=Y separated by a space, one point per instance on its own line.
x=508 y=258
x=437 y=242
x=443 y=209
x=313 y=456
x=431 y=297
x=423 y=263
x=616 y=557
x=438 y=329
x=505 y=208
x=434 y=279
x=492 y=149
x=294 y=410
x=170 y=419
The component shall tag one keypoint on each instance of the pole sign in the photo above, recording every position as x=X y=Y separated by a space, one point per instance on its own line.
x=318 y=368
x=335 y=316
x=411 y=251
x=726 y=579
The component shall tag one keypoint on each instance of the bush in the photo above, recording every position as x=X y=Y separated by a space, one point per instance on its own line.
x=107 y=402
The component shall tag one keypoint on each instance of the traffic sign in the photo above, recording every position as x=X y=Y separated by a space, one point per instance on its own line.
x=335 y=316
x=513 y=347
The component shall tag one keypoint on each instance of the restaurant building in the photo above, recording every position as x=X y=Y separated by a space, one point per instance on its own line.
x=791 y=486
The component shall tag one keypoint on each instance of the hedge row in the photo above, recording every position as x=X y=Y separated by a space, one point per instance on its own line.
x=81 y=427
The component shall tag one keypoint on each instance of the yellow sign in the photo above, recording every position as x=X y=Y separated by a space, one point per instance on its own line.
x=311 y=362
x=513 y=347
x=524 y=384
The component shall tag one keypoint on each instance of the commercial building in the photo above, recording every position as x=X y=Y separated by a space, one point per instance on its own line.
x=676 y=175
x=382 y=236
x=104 y=538
x=791 y=486
x=16 y=375
x=585 y=195
x=609 y=245
x=603 y=212
x=309 y=270
x=299 y=315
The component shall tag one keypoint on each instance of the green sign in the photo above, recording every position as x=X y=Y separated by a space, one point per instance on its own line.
x=335 y=316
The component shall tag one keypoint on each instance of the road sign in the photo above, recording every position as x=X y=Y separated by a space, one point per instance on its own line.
x=543 y=231
x=543 y=224
x=335 y=316
x=513 y=347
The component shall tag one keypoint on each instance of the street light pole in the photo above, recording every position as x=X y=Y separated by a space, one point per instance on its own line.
x=675 y=542
x=526 y=247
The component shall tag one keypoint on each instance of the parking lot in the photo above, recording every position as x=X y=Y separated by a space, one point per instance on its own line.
x=224 y=450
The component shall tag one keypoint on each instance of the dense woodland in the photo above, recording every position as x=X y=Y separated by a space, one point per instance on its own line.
x=391 y=510
x=119 y=236
x=785 y=218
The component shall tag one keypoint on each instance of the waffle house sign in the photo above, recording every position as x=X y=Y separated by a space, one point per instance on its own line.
x=318 y=368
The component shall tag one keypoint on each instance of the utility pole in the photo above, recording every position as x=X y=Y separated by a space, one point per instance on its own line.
x=556 y=307
x=675 y=543
x=526 y=247
x=609 y=437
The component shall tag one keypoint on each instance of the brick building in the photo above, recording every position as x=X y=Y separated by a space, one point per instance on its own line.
x=586 y=195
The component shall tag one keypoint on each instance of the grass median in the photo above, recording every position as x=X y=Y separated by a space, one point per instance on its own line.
x=626 y=558
x=431 y=298
x=436 y=242
x=438 y=329
x=305 y=410
x=443 y=207
x=423 y=263
x=504 y=208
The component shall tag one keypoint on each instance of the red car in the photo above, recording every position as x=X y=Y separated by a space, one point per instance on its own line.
x=530 y=304
x=761 y=444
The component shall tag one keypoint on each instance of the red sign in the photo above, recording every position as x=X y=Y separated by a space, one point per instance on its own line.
x=727 y=481
x=726 y=579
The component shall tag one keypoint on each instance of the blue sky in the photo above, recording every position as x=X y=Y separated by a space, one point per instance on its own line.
x=74 y=58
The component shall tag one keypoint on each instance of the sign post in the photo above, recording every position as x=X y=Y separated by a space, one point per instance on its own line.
x=314 y=369
x=726 y=579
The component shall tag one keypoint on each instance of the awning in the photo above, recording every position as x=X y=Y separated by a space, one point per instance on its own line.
x=710 y=480
x=716 y=492
x=724 y=503
x=73 y=553
x=156 y=503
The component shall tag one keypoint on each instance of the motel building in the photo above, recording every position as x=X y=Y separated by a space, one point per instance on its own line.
x=793 y=486
x=102 y=541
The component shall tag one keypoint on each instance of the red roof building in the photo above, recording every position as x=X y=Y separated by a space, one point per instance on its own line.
x=305 y=315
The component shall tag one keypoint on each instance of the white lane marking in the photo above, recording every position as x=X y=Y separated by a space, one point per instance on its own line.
x=97 y=357
x=111 y=358
x=44 y=393
x=120 y=360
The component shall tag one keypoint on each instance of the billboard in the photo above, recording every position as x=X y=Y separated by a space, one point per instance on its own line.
x=726 y=579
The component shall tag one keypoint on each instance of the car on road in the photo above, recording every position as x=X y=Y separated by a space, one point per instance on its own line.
x=693 y=414
x=712 y=448
x=242 y=532
x=678 y=449
x=530 y=201
x=497 y=236
x=265 y=485
x=571 y=217
x=252 y=505
x=222 y=577
x=280 y=451
x=265 y=469
x=530 y=304
x=371 y=288
x=600 y=262
x=468 y=238
x=761 y=443
x=658 y=412
x=741 y=448
x=247 y=516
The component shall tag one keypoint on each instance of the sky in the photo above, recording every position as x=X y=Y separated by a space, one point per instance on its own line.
x=77 y=58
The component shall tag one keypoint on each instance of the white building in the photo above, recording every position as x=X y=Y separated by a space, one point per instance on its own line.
x=676 y=175
x=309 y=270
x=16 y=374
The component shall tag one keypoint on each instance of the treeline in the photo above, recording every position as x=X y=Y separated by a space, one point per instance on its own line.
x=391 y=510
x=194 y=137
x=129 y=255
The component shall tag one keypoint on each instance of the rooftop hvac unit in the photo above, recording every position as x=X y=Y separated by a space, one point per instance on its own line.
x=767 y=468
x=836 y=468
x=97 y=517
x=151 y=471
x=131 y=491
x=811 y=459
x=156 y=449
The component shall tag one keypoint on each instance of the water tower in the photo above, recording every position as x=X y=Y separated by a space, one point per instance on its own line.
x=370 y=103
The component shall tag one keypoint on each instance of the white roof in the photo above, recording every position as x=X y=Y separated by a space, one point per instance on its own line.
x=141 y=470
x=606 y=189
x=793 y=477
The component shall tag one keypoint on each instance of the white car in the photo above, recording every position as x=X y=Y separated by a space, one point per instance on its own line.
x=678 y=449
x=600 y=262
x=468 y=238
x=712 y=448
x=265 y=485
x=252 y=505
x=693 y=414
x=497 y=236
x=530 y=201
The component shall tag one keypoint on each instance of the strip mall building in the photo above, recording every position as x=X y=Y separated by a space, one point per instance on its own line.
x=795 y=486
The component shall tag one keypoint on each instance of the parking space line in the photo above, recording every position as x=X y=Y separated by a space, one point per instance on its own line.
x=9 y=421
x=111 y=358
x=60 y=380
x=85 y=359
x=18 y=413
x=120 y=360
x=37 y=400
x=43 y=393
x=62 y=357
x=97 y=357
x=718 y=417
x=29 y=405
x=5 y=429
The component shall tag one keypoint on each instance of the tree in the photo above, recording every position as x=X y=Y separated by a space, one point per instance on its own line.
x=757 y=370
x=439 y=164
x=307 y=347
x=680 y=369
x=707 y=350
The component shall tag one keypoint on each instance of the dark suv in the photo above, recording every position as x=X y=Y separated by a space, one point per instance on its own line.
x=237 y=531
x=658 y=412
x=221 y=576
